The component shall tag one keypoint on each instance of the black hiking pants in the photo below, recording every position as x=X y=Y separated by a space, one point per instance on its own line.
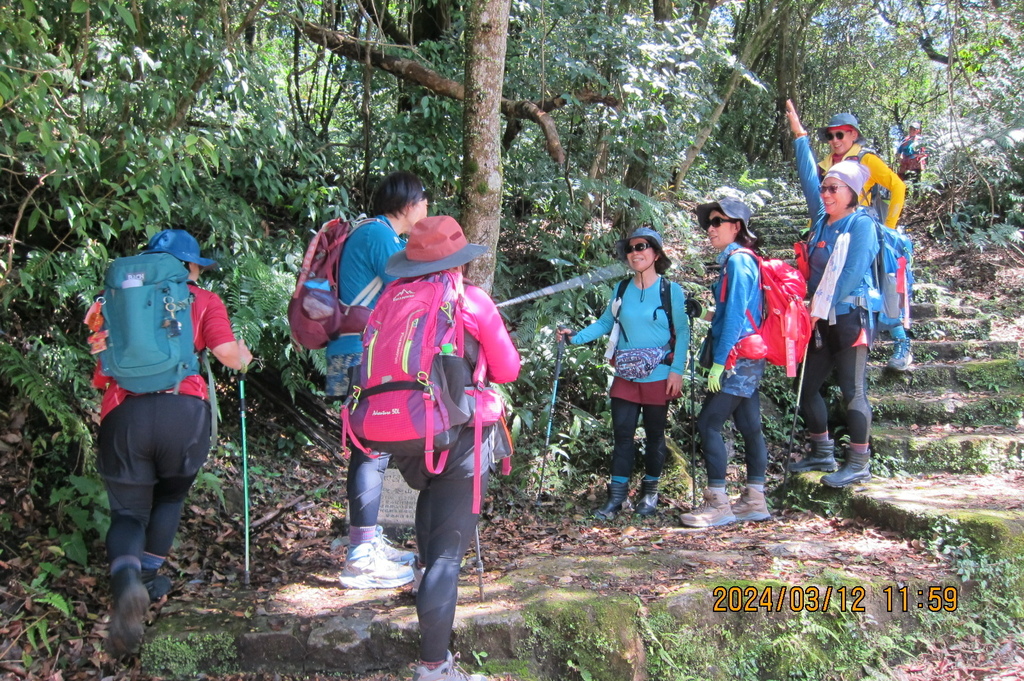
x=150 y=449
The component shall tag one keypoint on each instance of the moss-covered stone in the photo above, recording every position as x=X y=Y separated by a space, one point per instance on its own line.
x=950 y=328
x=588 y=634
x=998 y=409
x=185 y=657
x=926 y=452
x=1000 y=374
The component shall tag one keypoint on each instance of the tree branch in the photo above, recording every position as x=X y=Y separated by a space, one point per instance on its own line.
x=413 y=72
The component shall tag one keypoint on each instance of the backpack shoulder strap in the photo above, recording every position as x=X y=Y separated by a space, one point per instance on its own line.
x=620 y=291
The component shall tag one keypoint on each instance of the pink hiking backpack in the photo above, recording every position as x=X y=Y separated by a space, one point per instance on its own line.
x=417 y=390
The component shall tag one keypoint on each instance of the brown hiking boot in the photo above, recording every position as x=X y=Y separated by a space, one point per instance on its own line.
x=751 y=506
x=131 y=601
x=714 y=512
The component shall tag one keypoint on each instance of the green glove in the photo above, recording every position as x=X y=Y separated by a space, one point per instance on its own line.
x=715 y=378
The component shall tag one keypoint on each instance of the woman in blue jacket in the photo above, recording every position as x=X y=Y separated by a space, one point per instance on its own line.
x=842 y=247
x=641 y=332
x=738 y=363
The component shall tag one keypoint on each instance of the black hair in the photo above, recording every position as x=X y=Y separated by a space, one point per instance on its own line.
x=855 y=200
x=396 y=192
x=746 y=238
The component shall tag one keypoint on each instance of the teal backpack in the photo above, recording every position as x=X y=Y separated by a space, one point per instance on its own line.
x=147 y=314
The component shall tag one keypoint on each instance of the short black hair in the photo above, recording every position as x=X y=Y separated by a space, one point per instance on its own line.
x=396 y=192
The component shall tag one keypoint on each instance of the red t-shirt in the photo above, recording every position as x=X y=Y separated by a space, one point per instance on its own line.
x=210 y=328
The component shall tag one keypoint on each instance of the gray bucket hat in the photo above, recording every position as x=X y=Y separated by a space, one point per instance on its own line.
x=728 y=206
x=651 y=236
x=838 y=121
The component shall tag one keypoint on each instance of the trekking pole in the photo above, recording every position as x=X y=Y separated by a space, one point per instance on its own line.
x=796 y=411
x=693 y=426
x=551 y=416
x=479 y=564
x=245 y=471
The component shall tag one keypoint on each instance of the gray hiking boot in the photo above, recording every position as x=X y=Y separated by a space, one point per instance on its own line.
x=821 y=458
x=367 y=568
x=449 y=671
x=901 y=358
x=131 y=601
x=856 y=469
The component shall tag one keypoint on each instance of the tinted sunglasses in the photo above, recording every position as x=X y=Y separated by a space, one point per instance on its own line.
x=638 y=248
x=837 y=135
x=829 y=188
x=717 y=222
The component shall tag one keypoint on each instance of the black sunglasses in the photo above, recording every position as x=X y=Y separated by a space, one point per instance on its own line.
x=716 y=222
x=829 y=188
x=638 y=248
x=838 y=135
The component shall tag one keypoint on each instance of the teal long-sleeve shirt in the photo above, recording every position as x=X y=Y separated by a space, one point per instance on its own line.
x=645 y=325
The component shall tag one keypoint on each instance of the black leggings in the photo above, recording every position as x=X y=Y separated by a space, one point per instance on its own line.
x=150 y=449
x=445 y=526
x=365 y=482
x=850 y=364
x=746 y=414
x=625 y=417
x=145 y=517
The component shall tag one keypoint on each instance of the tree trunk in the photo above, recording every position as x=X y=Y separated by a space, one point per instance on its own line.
x=751 y=49
x=487 y=28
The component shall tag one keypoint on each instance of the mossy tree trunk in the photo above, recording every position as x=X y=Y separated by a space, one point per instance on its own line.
x=486 y=33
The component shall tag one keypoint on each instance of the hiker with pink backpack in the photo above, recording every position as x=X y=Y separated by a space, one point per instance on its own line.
x=432 y=347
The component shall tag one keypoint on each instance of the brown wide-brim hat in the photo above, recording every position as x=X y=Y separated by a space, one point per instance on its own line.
x=435 y=244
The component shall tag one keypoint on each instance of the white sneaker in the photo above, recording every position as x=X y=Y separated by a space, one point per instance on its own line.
x=367 y=568
x=449 y=671
x=395 y=555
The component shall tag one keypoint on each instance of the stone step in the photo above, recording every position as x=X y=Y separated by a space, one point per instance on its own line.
x=933 y=293
x=923 y=310
x=952 y=328
x=927 y=408
x=552 y=611
x=971 y=450
x=987 y=509
x=948 y=351
x=976 y=375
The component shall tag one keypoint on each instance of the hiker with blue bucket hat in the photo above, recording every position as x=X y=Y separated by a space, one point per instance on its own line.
x=649 y=334
x=155 y=419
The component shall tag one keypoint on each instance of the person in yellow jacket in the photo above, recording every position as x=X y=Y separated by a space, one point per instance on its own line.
x=842 y=134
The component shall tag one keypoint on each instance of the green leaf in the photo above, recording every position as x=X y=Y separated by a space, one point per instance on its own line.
x=79 y=7
x=127 y=17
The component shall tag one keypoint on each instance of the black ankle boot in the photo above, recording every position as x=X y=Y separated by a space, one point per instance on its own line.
x=617 y=493
x=649 y=500
x=821 y=458
x=158 y=586
x=131 y=601
x=856 y=469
